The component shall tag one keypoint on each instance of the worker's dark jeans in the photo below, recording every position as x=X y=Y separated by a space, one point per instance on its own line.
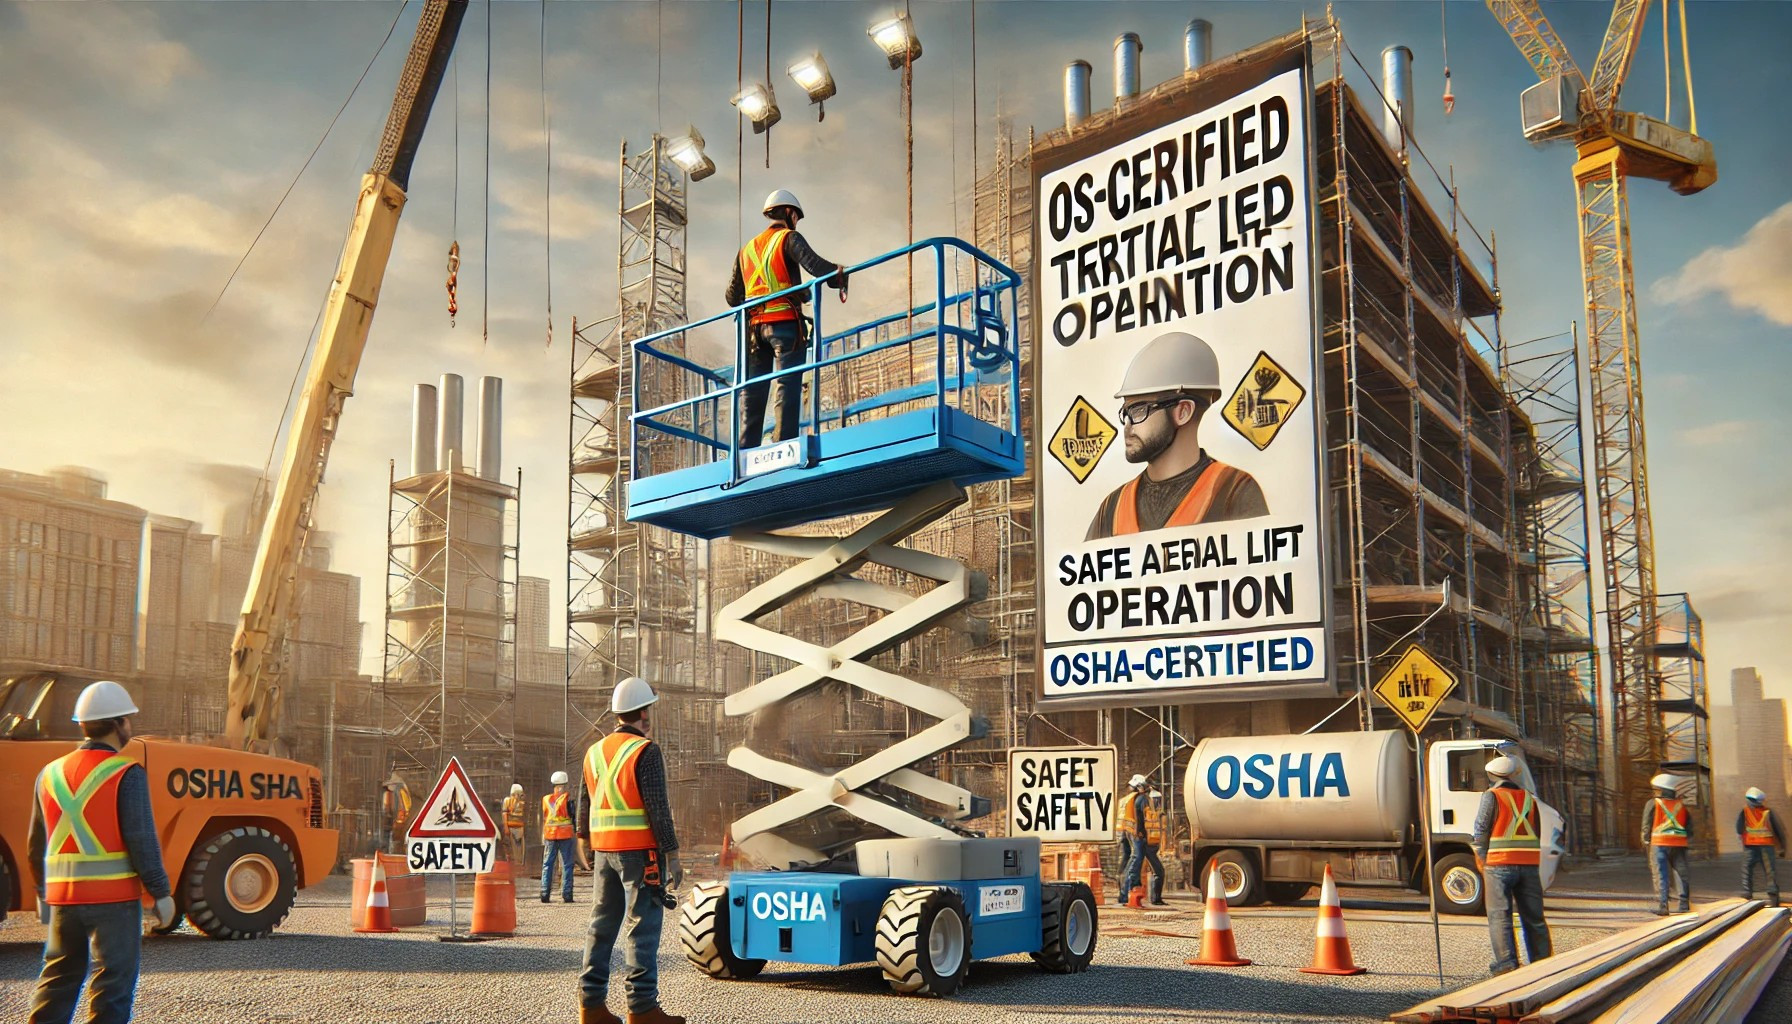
x=1762 y=855
x=1125 y=865
x=1515 y=887
x=784 y=342
x=1671 y=858
x=622 y=893
x=557 y=850
x=114 y=934
x=1142 y=852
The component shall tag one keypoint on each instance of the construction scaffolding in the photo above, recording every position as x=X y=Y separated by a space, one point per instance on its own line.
x=1682 y=699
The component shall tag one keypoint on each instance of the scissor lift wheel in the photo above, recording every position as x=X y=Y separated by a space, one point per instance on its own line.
x=703 y=932
x=1069 y=927
x=924 y=940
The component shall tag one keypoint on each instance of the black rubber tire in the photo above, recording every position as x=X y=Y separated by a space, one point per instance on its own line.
x=904 y=936
x=704 y=933
x=1464 y=866
x=1249 y=892
x=208 y=904
x=6 y=903
x=1055 y=903
x=1286 y=893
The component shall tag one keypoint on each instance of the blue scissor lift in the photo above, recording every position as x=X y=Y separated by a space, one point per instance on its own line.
x=900 y=412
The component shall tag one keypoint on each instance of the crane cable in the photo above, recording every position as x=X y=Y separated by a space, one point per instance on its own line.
x=547 y=146
x=1686 y=62
x=485 y=253
x=1667 y=64
x=1443 y=17
x=453 y=283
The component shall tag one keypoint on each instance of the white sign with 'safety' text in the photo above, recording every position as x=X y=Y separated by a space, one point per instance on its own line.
x=1062 y=794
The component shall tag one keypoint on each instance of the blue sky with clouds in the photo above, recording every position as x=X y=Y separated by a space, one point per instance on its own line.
x=146 y=143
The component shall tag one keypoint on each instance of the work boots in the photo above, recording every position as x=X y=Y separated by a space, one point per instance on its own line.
x=597 y=1015
x=653 y=1016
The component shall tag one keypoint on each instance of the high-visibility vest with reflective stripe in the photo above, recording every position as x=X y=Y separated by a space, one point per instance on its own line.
x=86 y=859
x=513 y=812
x=763 y=269
x=1670 y=824
x=556 y=816
x=1756 y=829
x=1516 y=835
x=1214 y=486
x=1127 y=817
x=1154 y=825
x=618 y=815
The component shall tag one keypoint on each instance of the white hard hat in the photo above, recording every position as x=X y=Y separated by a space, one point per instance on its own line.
x=1665 y=781
x=1155 y=795
x=781 y=197
x=516 y=789
x=632 y=694
x=1138 y=780
x=1754 y=795
x=558 y=778
x=1171 y=362
x=102 y=700
x=1502 y=767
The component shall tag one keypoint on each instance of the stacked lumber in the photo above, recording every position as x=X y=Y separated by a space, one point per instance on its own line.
x=1704 y=968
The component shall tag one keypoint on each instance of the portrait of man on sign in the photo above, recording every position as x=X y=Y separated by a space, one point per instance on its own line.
x=1172 y=381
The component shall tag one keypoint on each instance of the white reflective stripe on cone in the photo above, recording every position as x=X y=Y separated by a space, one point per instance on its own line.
x=1331 y=926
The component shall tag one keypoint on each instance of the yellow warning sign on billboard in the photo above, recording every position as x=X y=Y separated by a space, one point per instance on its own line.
x=1415 y=687
x=1082 y=439
x=1263 y=401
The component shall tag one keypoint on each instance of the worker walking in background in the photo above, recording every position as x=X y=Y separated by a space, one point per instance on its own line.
x=516 y=809
x=1667 y=829
x=1761 y=835
x=395 y=803
x=1508 y=845
x=557 y=839
x=1126 y=822
x=93 y=845
x=1151 y=839
x=626 y=814
x=770 y=262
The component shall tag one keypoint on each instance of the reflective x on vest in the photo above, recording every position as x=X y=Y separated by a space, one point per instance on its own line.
x=1127 y=817
x=556 y=818
x=1154 y=825
x=513 y=812
x=1193 y=508
x=764 y=270
x=1670 y=824
x=1514 y=839
x=1756 y=829
x=618 y=815
x=86 y=860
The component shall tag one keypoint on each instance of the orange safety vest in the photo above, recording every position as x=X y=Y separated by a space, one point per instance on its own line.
x=1129 y=827
x=1670 y=824
x=1154 y=825
x=618 y=816
x=556 y=818
x=1756 y=829
x=1217 y=479
x=765 y=270
x=513 y=812
x=86 y=859
x=1516 y=836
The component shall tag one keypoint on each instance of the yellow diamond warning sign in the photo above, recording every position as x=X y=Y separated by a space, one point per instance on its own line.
x=1415 y=687
x=1081 y=439
x=1263 y=402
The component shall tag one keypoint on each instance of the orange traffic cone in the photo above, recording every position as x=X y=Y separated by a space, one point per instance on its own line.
x=1332 y=953
x=379 y=905
x=494 y=902
x=1136 y=899
x=1217 y=947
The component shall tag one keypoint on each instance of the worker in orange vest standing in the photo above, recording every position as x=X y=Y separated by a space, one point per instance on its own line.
x=770 y=262
x=1169 y=385
x=625 y=812
x=516 y=810
x=1126 y=825
x=557 y=844
x=1508 y=845
x=1761 y=835
x=93 y=844
x=1667 y=829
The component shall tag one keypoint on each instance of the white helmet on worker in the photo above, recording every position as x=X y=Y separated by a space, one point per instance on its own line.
x=1155 y=795
x=1138 y=781
x=632 y=694
x=1754 y=795
x=102 y=700
x=516 y=789
x=1665 y=781
x=1171 y=362
x=781 y=197
x=558 y=778
x=1502 y=768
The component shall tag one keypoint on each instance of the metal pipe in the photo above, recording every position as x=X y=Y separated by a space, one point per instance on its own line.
x=491 y=419
x=423 y=429
x=1396 y=88
x=1127 y=50
x=1076 y=93
x=448 y=415
x=1197 y=44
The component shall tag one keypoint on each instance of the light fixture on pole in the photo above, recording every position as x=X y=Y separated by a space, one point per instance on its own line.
x=896 y=37
x=687 y=152
x=758 y=105
x=811 y=73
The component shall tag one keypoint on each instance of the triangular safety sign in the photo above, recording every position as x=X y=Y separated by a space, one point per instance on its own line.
x=453 y=810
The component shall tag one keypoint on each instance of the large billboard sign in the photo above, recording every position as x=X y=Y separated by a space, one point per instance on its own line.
x=1181 y=527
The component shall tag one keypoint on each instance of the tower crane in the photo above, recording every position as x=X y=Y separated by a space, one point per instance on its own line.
x=1612 y=146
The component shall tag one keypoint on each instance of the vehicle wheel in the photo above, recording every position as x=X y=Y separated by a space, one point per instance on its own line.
x=240 y=884
x=1239 y=879
x=1286 y=893
x=5 y=889
x=1460 y=889
x=703 y=931
x=924 y=940
x=1069 y=926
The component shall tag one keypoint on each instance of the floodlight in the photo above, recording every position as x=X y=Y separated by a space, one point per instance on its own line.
x=758 y=105
x=811 y=73
x=896 y=37
x=687 y=152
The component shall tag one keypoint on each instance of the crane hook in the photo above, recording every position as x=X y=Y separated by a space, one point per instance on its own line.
x=453 y=281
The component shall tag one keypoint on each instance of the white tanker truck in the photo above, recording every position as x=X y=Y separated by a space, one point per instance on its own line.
x=1272 y=811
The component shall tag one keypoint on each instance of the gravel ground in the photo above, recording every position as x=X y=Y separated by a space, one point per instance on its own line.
x=314 y=969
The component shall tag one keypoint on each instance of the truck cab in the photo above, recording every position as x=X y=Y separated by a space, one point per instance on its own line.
x=240 y=833
x=1456 y=776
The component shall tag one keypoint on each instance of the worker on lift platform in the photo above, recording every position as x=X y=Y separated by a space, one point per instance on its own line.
x=770 y=262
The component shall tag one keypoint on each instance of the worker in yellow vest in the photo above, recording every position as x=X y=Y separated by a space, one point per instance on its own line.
x=770 y=262
x=1761 y=835
x=557 y=843
x=1126 y=825
x=625 y=812
x=92 y=843
x=1667 y=830
x=1508 y=845
x=1151 y=839
x=395 y=803
x=516 y=810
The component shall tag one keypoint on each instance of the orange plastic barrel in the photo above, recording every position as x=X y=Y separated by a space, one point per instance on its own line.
x=494 y=902
x=404 y=890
